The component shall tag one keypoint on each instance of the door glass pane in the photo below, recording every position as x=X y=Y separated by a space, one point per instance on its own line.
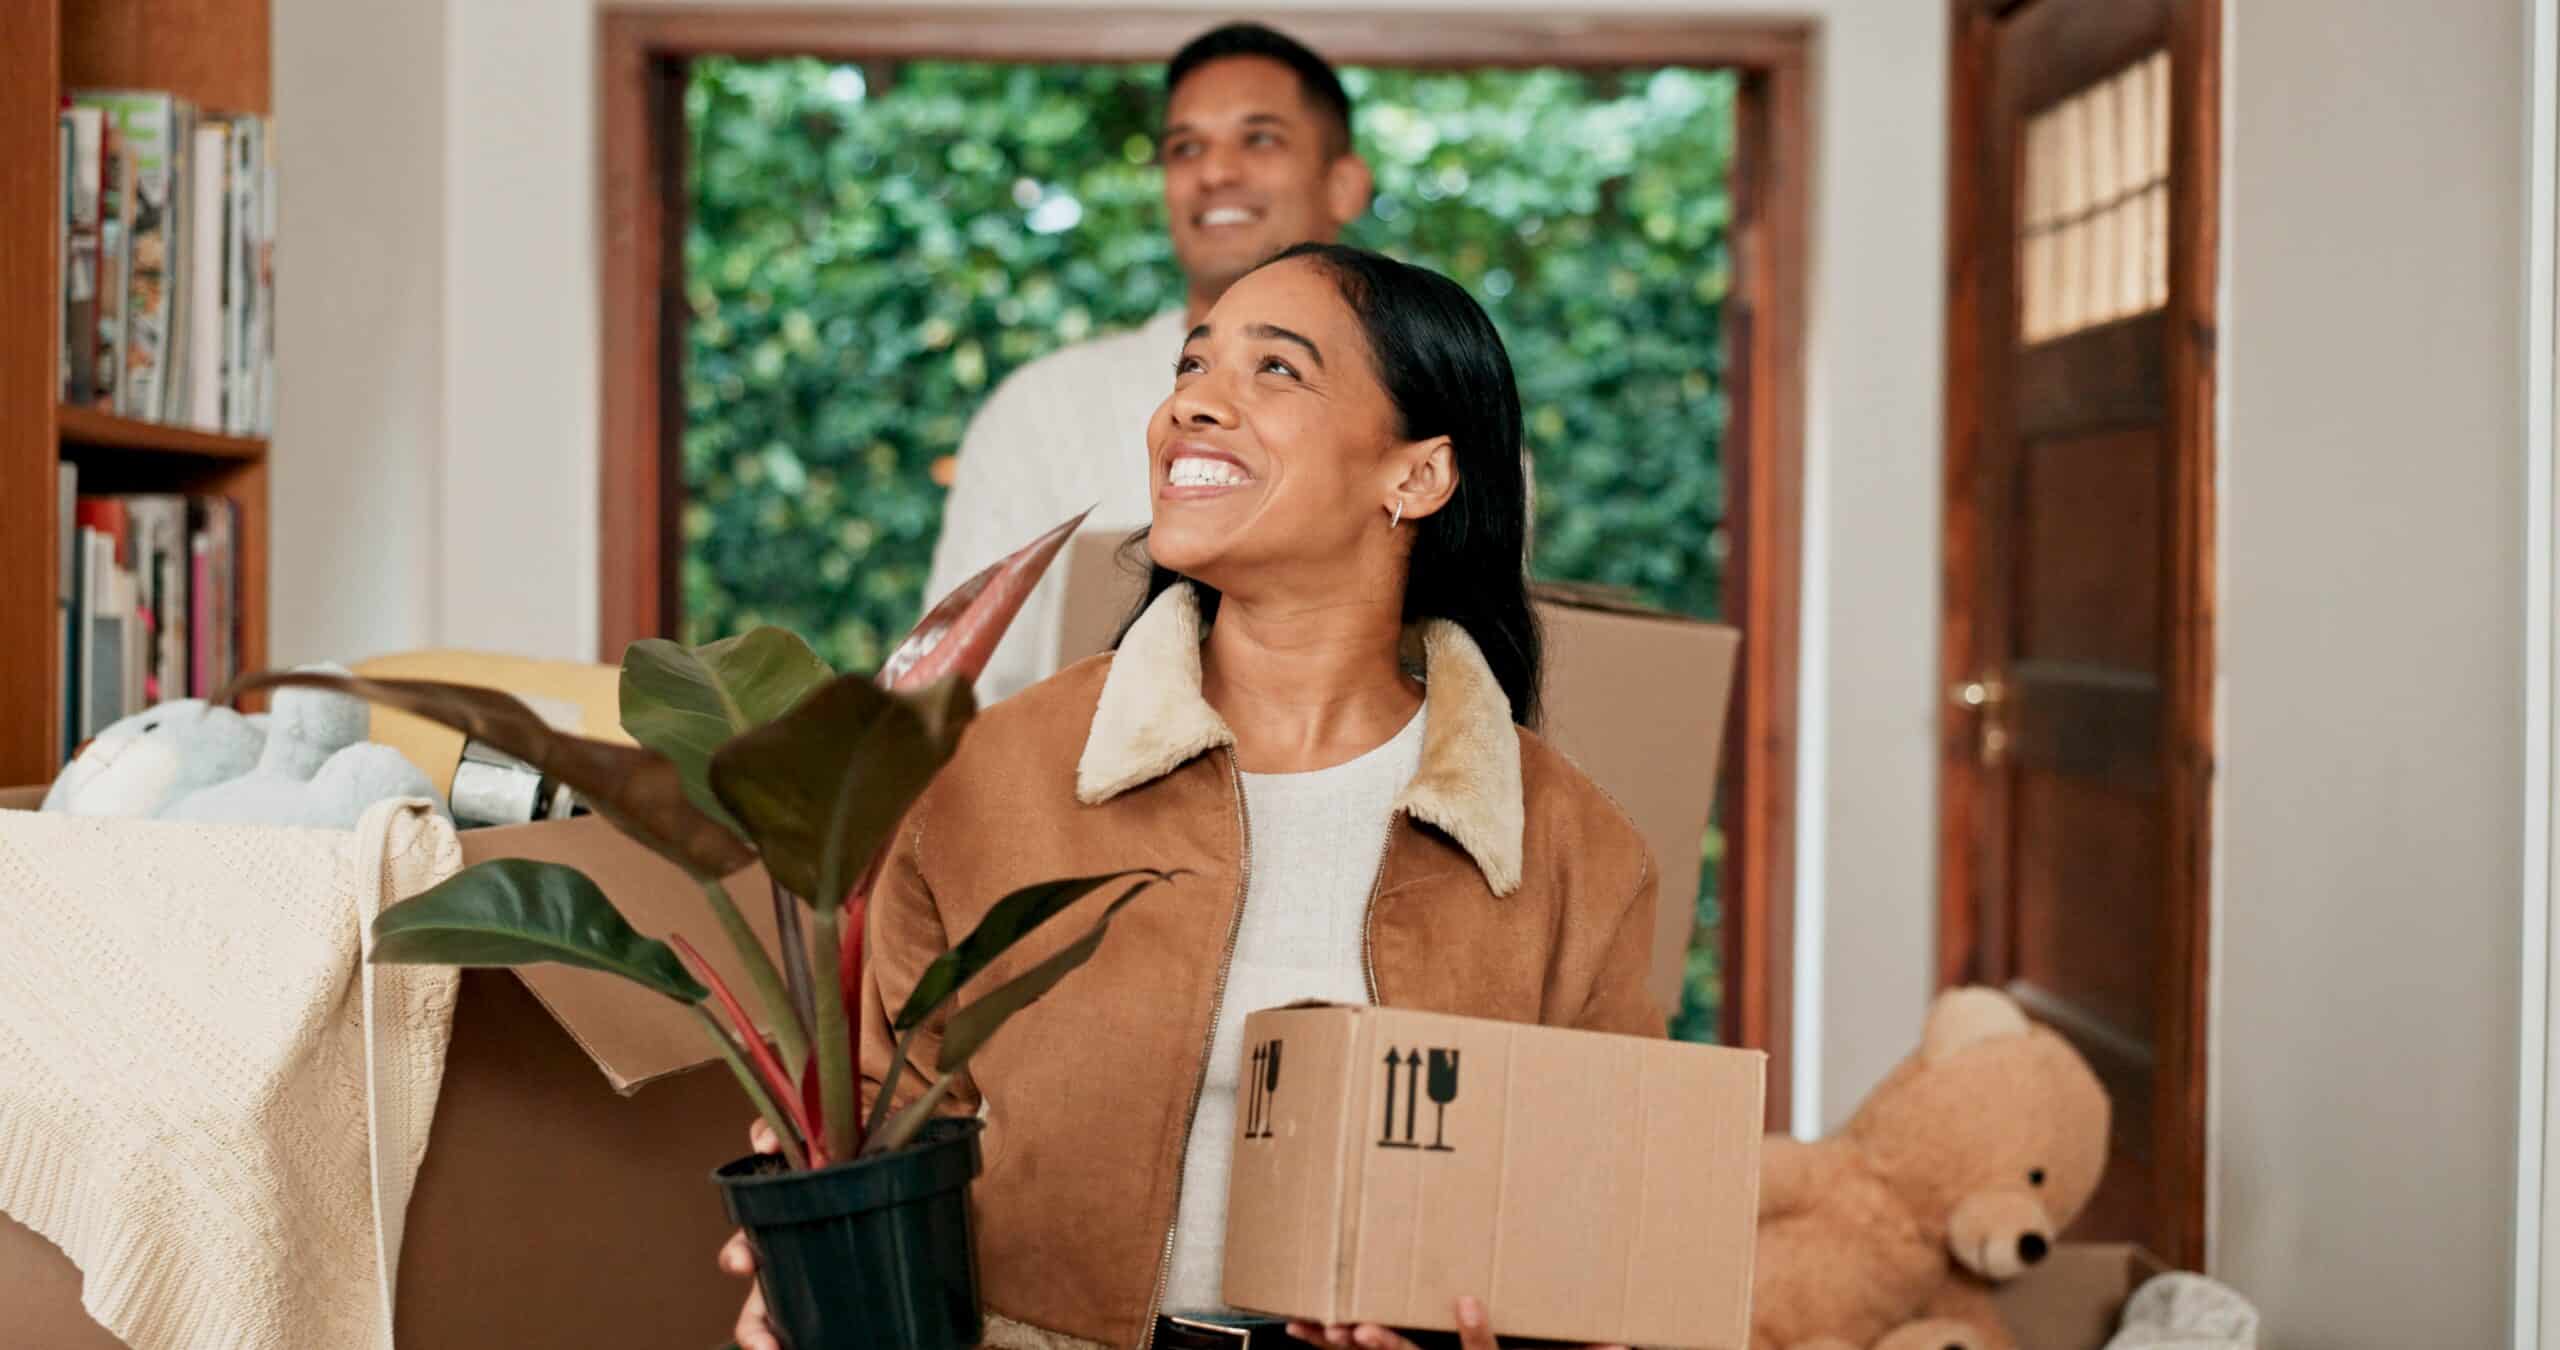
x=2093 y=205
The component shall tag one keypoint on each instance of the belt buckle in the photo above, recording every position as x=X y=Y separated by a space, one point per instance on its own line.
x=1241 y=1336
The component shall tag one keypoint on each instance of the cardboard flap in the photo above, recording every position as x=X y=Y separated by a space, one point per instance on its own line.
x=1594 y=596
x=1637 y=699
x=631 y=1034
x=2073 y=1300
x=1100 y=591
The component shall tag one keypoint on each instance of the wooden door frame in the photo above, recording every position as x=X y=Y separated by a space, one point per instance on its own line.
x=2188 y=776
x=641 y=54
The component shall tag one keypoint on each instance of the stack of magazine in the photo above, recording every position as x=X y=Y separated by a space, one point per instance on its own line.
x=168 y=254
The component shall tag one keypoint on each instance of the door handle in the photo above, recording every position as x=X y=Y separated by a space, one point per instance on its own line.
x=1988 y=697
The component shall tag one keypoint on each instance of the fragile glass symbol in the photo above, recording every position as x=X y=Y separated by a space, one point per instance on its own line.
x=1442 y=1085
x=1261 y=1082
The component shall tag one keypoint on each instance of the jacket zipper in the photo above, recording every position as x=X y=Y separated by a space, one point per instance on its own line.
x=1369 y=911
x=1200 y=1084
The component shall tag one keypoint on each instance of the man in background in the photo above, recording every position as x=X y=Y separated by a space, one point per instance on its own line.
x=1256 y=150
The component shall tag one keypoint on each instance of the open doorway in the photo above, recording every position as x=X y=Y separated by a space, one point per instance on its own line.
x=802 y=205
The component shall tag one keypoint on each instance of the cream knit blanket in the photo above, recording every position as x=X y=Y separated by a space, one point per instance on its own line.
x=207 y=1100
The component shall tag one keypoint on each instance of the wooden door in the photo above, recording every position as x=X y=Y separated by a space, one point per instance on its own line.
x=2077 y=750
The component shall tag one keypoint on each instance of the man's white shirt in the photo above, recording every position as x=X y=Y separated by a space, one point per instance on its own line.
x=1063 y=433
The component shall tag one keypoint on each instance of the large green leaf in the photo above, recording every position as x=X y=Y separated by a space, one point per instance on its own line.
x=685 y=702
x=516 y=912
x=639 y=790
x=1008 y=922
x=973 y=1026
x=822 y=787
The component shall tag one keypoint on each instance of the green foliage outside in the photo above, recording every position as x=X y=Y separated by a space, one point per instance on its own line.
x=873 y=248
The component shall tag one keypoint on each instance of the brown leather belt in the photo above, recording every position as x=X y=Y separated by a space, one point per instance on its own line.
x=1191 y=1333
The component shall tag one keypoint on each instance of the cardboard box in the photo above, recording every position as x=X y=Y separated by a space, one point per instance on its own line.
x=1637 y=698
x=1589 y=1188
x=2074 y=1299
x=551 y=1209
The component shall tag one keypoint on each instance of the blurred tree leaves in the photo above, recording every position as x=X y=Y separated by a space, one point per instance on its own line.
x=872 y=248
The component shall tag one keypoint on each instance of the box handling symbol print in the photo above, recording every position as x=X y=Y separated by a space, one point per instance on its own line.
x=1264 y=1082
x=1442 y=1084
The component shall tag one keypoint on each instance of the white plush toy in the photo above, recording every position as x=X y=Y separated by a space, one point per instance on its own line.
x=307 y=762
x=146 y=761
x=317 y=769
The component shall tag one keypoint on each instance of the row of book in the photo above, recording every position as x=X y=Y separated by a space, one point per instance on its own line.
x=150 y=601
x=168 y=223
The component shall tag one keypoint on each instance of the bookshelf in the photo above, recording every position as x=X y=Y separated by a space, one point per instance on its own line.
x=216 y=53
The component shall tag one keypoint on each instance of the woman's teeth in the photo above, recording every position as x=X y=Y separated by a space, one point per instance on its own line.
x=1194 y=472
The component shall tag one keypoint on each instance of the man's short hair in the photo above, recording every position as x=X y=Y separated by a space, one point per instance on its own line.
x=1323 y=88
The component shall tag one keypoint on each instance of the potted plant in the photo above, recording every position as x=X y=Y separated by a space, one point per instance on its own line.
x=753 y=750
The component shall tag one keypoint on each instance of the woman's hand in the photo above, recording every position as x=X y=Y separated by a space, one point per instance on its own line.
x=737 y=1258
x=1474 y=1333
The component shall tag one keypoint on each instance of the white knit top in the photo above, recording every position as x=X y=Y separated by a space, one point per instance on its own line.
x=1066 y=432
x=1317 y=842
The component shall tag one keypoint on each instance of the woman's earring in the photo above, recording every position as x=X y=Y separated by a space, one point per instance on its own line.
x=1396 y=517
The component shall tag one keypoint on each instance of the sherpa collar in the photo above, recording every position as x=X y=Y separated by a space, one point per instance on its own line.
x=1152 y=719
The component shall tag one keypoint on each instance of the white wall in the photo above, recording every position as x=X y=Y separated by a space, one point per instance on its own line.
x=2537 y=1263
x=511 y=561
x=360 y=337
x=2364 y=1046
x=519 y=544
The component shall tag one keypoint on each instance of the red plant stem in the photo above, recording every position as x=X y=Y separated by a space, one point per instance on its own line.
x=849 y=951
x=834 y=1047
x=810 y=1098
x=770 y=1111
x=790 y=1031
x=768 y=1069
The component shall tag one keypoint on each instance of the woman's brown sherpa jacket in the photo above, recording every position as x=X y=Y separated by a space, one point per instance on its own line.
x=1510 y=887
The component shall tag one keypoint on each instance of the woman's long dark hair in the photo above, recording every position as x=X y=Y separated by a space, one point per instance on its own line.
x=1446 y=371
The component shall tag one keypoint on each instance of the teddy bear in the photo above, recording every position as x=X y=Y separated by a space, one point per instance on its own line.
x=306 y=762
x=1958 y=1171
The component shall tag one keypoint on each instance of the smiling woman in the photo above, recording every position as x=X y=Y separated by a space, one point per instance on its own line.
x=1272 y=464
x=1322 y=710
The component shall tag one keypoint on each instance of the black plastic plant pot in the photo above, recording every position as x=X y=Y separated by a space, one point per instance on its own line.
x=875 y=1252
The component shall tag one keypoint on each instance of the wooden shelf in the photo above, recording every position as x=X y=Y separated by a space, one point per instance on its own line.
x=217 y=54
x=87 y=426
